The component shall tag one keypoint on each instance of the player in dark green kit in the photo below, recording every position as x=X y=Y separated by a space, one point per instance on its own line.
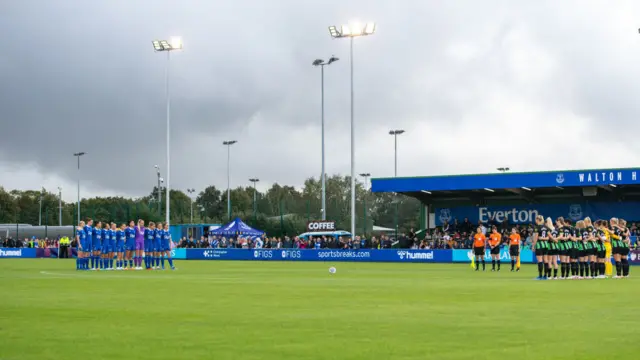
x=602 y=231
x=591 y=248
x=574 y=249
x=541 y=246
x=626 y=247
x=554 y=249
x=564 y=243
x=583 y=257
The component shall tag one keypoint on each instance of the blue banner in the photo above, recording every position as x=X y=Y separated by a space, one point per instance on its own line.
x=524 y=214
x=17 y=253
x=508 y=180
x=526 y=256
x=365 y=255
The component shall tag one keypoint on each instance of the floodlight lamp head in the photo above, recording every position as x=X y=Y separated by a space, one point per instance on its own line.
x=161 y=180
x=333 y=31
x=165 y=45
x=369 y=28
x=332 y=59
x=345 y=31
x=176 y=43
x=356 y=29
x=317 y=62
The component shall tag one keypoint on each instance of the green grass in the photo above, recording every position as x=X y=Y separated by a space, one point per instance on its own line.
x=290 y=310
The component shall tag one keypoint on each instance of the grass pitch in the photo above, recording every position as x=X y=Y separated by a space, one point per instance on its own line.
x=297 y=310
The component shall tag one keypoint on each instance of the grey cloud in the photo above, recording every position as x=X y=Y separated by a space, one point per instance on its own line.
x=80 y=75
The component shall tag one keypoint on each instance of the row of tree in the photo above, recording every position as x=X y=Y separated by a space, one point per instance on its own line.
x=280 y=210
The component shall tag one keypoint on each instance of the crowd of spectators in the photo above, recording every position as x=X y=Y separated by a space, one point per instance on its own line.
x=286 y=242
x=9 y=242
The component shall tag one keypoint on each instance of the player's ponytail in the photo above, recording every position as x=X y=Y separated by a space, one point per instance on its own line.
x=549 y=224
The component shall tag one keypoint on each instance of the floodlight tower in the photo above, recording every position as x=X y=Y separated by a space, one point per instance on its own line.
x=351 y=32
x=175 y=43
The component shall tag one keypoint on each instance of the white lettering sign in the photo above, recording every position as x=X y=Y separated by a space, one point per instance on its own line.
x=321 y=226
x=602 y=177
x=514 y=215
x=11 y=253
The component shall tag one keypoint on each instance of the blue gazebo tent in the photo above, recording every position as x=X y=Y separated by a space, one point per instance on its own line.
x=236 y=227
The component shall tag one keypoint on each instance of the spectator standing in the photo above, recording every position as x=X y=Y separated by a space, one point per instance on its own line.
x=467 y=227
x=258 y=243
x=482 y=227
x=64 y=248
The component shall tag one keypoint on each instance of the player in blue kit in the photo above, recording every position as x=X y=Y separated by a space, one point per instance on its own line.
x=96 y=245
x=157 y=246
x=166 y=247
x=130 y=244
x=88 y=232
x=112 y=245
x=81 y=239
x=106 y=246
x=149 y=235
x=120 y=247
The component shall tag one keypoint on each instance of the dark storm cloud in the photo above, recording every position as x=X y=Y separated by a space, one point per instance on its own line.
x=81 y=75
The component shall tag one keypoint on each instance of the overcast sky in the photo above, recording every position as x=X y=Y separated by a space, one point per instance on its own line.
x=533 y=85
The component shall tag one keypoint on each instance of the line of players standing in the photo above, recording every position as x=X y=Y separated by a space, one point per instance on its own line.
x=584 y=250
x=98 y=246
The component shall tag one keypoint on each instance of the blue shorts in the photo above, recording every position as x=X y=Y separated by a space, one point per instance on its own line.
x=147 y=246
x=85 y=246
x=130 y=245
x=113 y=247
x=120 y=247
x=165 y=246
x=106 y=248
x=156 y=246
x=96 y=246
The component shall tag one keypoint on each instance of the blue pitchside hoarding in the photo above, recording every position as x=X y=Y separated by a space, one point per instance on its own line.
x=509 y=180
x=526 y=256
x=526 y=213
x=362 y=255
x=17 y=253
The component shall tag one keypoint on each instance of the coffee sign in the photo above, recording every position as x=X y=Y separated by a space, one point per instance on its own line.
x=321 y=226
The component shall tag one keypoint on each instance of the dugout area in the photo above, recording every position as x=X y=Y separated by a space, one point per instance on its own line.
x=609 y=190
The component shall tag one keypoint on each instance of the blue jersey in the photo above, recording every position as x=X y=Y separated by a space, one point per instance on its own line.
x=166 y=237
x=120 y=236
x=82 y=236
x=88 y=231
x=112 y=236
x=97 y=235
x=130 y=233
x=158 y=235
x=149 y=235
x=106 y=237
